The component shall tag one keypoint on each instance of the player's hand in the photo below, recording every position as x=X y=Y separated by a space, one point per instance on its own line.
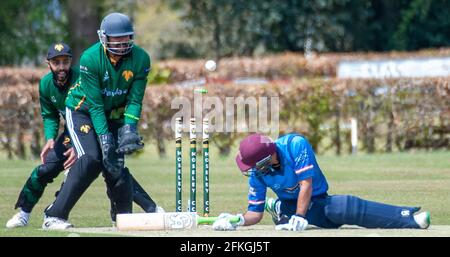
x=223 y=225
x=223 y=222
x=296 y=223
x=129 y=140
x=71 y=158
x=47 y=147
x=110 y=159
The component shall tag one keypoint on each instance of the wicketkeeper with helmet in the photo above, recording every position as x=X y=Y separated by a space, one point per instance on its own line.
x=58 y=154
x=102 y=114
x=288 y=166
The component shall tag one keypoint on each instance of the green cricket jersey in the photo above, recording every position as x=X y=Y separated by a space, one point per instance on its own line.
x=110 y=92
x=52 y=99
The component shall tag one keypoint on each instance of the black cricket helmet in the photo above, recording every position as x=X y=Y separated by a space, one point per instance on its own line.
x=116 y=25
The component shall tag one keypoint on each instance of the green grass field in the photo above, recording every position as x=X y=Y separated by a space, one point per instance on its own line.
x=417 y=179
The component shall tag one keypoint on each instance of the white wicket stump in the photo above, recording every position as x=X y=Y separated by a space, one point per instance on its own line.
x=192 y=204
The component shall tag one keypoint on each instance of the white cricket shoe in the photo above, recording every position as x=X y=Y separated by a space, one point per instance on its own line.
x=423 y=219
x=54 y=223
x=20 y=219
x=159 y=209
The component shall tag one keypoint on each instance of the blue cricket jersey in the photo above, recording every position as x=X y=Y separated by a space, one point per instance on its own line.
x=297 y=163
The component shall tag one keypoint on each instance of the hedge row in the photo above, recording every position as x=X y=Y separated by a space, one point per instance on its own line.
x=393 y=114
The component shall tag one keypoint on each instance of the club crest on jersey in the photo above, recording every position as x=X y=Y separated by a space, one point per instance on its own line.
x=66 y=140
x=53 y=99
x=85 y=128
x=59 y=47
x=127 y=74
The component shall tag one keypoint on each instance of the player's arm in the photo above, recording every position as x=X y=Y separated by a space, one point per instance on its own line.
x=136 y=94
x=304 y=196
x=129 y=139
x=304 y=170
x=255 y=211
x=89 y=80
x=50 y=115
x=252 y=218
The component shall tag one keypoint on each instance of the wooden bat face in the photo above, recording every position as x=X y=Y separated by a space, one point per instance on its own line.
x=157 y=221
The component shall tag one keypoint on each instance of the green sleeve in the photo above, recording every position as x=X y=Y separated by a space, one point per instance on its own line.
x=91 y=87
x=136 y=94
x=50 y=115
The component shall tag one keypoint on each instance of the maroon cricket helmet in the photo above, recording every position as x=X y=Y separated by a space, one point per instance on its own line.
x=253 y=149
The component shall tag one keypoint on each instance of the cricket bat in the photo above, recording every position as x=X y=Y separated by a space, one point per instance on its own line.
x=164 y=221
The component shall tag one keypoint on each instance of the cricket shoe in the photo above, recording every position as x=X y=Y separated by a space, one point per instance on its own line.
x=54 y=223
x=20 y=219
x=423 y=219
x=159 y=209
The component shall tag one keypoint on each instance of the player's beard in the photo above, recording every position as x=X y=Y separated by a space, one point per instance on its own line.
x=60 y=76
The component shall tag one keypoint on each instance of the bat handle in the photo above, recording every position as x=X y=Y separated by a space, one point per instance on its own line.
x=211 y=220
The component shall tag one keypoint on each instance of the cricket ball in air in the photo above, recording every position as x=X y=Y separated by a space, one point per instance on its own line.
x=210 y=65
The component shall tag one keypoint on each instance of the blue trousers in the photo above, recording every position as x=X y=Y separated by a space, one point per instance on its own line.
x=333 y=211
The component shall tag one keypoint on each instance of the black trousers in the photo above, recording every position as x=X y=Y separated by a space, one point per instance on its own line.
x=121 y=190
x=44 y=174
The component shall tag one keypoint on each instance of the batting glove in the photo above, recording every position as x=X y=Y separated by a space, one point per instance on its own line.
x=296 y=223
x=223 y=222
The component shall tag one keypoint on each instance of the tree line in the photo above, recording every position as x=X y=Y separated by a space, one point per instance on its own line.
x=223 y=28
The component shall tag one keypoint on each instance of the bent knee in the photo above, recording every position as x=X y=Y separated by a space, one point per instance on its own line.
x=341 y=207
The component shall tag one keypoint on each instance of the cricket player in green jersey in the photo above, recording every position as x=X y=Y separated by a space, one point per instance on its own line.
x=102 y=114
x=57 y=154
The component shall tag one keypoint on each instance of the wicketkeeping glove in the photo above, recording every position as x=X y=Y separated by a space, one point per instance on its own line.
x=110 y=158
x=296 y=223
x=129 y=140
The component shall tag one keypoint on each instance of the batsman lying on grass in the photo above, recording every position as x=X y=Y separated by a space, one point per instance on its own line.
x=58 y=153
x=288 y=166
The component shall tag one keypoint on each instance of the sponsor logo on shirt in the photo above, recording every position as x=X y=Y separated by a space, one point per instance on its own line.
x=106 y=76
x=83 y=69
x=302 y=157
x=114 y=92
x=252 y=191
x=405 y=213
x=276 y=187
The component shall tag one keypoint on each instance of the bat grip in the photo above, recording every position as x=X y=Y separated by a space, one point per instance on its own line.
x=211 y=220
